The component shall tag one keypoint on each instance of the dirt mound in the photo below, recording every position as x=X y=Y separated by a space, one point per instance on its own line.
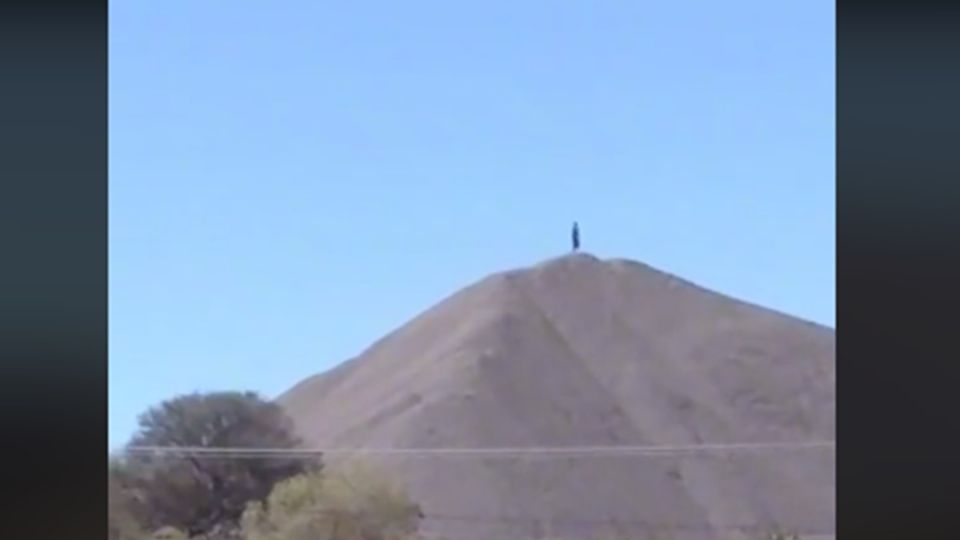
x=578 y=352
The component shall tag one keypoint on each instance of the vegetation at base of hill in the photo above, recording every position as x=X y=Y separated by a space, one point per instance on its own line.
x=122 y=524
x=200 y=494
x=213 y=497
x=350 y=503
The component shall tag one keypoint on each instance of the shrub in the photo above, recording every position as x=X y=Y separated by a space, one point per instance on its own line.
x=349 y=503
x=122 y=523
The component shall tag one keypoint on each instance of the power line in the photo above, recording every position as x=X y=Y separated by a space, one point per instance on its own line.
x=558 y=451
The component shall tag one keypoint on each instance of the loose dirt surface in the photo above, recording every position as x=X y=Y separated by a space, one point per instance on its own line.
x=579 y=352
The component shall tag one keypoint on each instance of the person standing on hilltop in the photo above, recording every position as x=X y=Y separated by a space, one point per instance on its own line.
x=576 y=236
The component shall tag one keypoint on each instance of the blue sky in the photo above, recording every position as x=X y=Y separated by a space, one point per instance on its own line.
x=291 y=180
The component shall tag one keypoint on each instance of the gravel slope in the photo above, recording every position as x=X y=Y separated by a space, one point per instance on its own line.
x=582 y=352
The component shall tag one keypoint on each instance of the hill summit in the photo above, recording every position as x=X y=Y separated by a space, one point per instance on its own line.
x=582 y=353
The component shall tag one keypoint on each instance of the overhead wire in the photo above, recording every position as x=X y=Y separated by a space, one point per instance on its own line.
x=487 y=452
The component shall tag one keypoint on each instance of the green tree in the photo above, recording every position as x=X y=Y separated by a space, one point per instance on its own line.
x=202 y=493
x=349 y=503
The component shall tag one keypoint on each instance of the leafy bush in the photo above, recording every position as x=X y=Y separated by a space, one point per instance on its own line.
x=349 y=503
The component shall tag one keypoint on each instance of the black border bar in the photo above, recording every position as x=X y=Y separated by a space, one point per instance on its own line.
x=53 y=266
x=898 y=363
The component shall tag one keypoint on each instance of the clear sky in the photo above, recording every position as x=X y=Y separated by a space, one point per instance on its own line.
x=291 y=180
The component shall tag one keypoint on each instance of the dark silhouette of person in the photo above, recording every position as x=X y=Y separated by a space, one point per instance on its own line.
x=576 y=236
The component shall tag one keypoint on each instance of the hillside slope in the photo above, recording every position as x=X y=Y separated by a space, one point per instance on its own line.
x=582 y=352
